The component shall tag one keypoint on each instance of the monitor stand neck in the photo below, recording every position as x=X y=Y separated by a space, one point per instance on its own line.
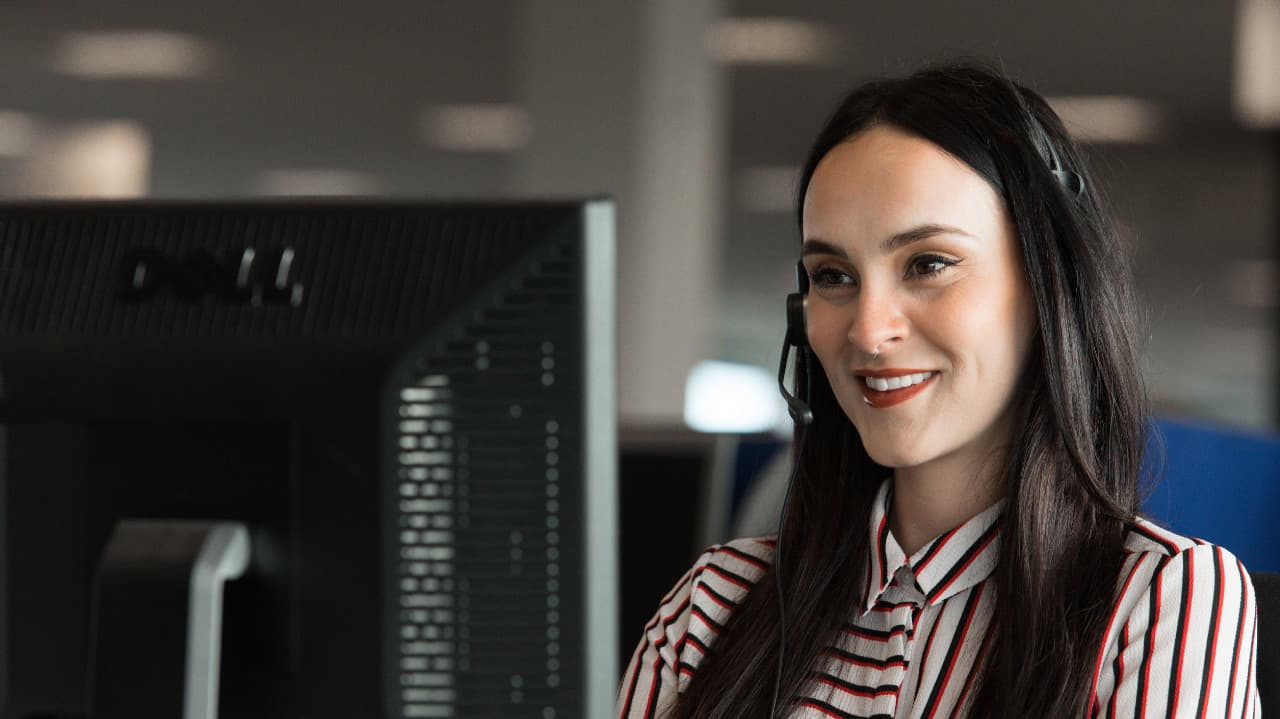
x=157 y=617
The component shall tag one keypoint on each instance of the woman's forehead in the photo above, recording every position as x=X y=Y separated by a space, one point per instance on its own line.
x=884 y=180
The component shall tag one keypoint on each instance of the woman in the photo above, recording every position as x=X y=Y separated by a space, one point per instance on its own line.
x=961 y=537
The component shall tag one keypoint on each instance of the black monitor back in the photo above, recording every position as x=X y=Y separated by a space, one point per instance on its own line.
x=409 y=406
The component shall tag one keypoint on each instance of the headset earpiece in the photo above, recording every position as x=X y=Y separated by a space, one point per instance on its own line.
x=797 y=330
x=798 y=337
x=1071 y=181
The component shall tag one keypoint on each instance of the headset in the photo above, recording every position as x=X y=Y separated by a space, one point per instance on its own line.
x=797 y=336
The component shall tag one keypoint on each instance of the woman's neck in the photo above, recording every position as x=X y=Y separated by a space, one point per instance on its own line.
x=932 y=499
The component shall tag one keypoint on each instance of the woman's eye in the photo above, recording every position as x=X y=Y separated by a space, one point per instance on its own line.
x=829 y=277
x=927 y=265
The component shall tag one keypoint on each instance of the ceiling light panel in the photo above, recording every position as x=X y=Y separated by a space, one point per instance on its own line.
x=492 y=127
x=1256 y=90
x=141 y=54
x=1109 y=118
x=773 y=41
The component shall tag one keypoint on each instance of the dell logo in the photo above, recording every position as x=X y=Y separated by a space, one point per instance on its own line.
x=248 y=275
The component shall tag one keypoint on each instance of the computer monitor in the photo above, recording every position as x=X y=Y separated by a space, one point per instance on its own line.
x=394 y=422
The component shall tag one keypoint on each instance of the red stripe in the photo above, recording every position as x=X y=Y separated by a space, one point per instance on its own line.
x=670 y=618
x=936 y=549
x=1235 y=657
x=1253 y=648
x=1157 y=535
x=1146 y=661
x=928 y=645
x=653 y=688
x=1124 y=642
x=939 y=591
x=891 y=607
x=973 y=674
x=754 y=561
x=1190 y=591
x=707 y=621
x=861 y=633
x=882 y=556
x=868 y=694
x=958 y=642
x=866 y=662
x=653 y=623
x=1097 y=666
x=635 y=675
x=1213 y=641
x=819 y=707
x=710 y=593
x=725 y=575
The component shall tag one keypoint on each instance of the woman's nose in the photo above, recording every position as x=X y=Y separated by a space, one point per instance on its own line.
x=878 y=323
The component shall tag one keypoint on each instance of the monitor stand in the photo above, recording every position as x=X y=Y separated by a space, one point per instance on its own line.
x=157 y=622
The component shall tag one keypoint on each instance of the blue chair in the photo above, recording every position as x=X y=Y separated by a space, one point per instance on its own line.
x=1222 y=486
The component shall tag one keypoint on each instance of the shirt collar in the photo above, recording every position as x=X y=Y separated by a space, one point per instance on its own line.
x=947 y=565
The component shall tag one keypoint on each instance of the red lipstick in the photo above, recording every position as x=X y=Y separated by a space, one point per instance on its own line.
x=888 y=398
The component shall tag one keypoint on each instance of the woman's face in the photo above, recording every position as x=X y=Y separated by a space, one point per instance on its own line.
x=911 y=254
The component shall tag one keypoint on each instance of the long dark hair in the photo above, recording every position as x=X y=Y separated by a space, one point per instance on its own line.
x=1071 y=475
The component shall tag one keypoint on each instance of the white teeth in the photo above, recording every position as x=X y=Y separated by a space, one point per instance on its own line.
x=887 y=383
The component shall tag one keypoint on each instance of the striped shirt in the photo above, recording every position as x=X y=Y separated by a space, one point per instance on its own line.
x=1179 y=641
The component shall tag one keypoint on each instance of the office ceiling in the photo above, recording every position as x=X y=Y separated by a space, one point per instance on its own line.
x=341 y=83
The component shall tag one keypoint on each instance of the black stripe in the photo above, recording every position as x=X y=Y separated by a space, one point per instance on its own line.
x=1115 y=673
x=684 y=665
x=890 y=606
x=935 y=694
x=693 y=639
x=1212 y=634
x=856 y=688
x=855 y=657
x=707 y=588
x=675 y=616
x=1148 y=638
x=934 y=547
x=1180 y=638
x=1235 y=648
x=928 y=647
x=838 y=712
x=731 y=574
x=962 y=561
x=710 y=622
x=973 y=673
x=881 y=634
x=654 y=691
x=748 y=558
x=1169 y=547
x=881 y=538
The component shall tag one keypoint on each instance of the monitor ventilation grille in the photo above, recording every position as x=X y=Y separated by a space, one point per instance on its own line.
x=488 y=537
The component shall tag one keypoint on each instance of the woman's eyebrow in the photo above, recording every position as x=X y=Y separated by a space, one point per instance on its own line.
x=915 y=234
x=815 y=246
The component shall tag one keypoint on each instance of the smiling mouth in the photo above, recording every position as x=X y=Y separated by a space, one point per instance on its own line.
x=881 y=392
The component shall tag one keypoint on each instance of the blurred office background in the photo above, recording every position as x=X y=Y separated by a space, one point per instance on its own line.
x=695 y=115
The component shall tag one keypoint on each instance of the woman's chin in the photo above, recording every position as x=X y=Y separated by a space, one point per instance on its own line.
x=895 y=456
